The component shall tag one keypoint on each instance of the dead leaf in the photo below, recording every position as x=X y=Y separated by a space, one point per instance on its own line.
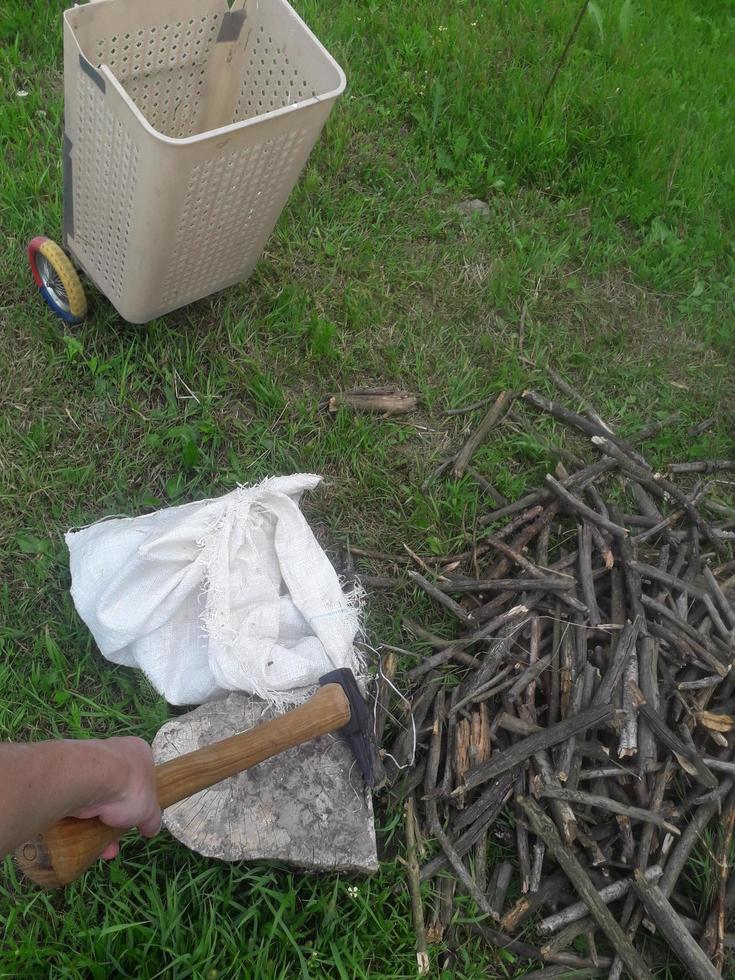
x=685 y=764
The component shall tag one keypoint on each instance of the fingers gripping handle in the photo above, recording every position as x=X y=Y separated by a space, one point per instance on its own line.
x=62 y=853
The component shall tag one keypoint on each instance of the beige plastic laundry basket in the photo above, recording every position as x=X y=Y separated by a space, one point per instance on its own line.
x=187 y=123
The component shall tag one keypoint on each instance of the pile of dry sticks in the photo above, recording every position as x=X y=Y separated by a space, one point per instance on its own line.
x=589 y=690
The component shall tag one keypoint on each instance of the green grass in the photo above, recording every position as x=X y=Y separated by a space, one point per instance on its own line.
x=610 y=219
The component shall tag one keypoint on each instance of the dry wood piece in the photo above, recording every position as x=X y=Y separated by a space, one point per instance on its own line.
x=629 y=735
x=584 y=552
x=414 y=888
x=519 y=559
x=481 y=433
x=480 y=865
x=713 y=939
x=672 y=581
x=690 y=648
x=590 y=428
x=665 y=735
x=625 y=646
x=388 y=665
x=542 y=826
x=522 y=844
x=562 y=813
x=380 y=401
x=679 y=855
x=545 y=583
x=658 y=485
x=433 y=758
x=563 y=385
x=702 y=466
x=574 y=643
x=465 y=878
x=528 y=677
x=604 y=803
x=579 y=507
x=439 y=658
x=553 y=691
x=648 y=676
x=533 y=656
x=525 y=951
x=461 y=760
x=374 y=583
x=551 y=888
x=443 y=911
x=539 y=852
x=530 y=500
x=566 y=936
x=564 y=972
x=679 y=939
x=609 y=894
x=714 y=722
x=512 y=757
x=465 y=409
x=567 y=671
x=480 y=742
x=479 y=818
x=523 y=538
x=523 y=425
x=725 y=607
x=441 y=597
x=500 y=887
x=497 y=498
x=565 y=753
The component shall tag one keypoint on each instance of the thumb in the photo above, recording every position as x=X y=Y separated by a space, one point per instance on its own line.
x=151 y=825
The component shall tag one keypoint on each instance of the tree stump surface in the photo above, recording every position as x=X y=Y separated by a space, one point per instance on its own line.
x=308 y=807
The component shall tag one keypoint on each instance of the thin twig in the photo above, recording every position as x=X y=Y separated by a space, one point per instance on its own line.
x=562 y=60
x=414 y=888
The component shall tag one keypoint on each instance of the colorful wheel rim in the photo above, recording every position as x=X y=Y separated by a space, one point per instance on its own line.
x=57 y=280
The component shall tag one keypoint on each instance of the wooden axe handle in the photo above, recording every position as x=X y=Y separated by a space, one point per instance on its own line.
x=62 y=853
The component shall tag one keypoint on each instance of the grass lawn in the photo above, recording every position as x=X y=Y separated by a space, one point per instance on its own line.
x=610 y=222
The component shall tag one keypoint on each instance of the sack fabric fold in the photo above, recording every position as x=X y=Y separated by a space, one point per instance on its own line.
x=233 y=593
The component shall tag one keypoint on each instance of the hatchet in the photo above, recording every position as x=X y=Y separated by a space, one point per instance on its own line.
x=61 y=854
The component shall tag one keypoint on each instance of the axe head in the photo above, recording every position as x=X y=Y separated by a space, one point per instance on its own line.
x=358 y=730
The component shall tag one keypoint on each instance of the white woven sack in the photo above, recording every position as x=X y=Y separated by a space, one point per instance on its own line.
x=228 y=594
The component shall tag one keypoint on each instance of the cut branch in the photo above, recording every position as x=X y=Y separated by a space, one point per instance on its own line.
x=481 y=433
x=519 y=753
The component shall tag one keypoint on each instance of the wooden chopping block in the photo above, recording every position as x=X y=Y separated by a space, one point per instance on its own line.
x=308 y=807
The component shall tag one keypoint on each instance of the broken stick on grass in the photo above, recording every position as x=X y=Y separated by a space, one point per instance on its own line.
x=378 y=401
x=481 y=432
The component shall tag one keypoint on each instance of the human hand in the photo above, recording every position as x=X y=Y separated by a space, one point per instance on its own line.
x=131 y=799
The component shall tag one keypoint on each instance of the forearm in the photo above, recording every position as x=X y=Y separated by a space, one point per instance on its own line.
x=41 y=783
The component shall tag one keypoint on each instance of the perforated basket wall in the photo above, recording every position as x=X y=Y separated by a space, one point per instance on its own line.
x=187 y=124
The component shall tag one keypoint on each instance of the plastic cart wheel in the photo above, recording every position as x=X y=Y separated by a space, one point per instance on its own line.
x=57 y=280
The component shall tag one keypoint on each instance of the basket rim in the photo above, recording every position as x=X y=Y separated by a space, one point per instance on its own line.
x=106 y=72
